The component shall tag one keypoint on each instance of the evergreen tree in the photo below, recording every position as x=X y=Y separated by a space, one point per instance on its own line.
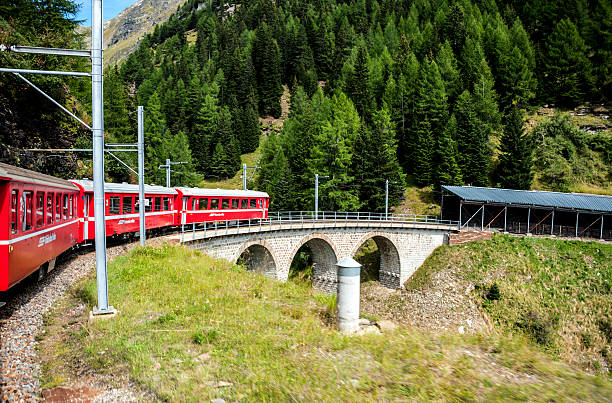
x=358 y=88
x=566 y=67
x=375 y=161
x=472 y=143
x=446 y=170
x=431 y=117
x=205 y=127
x=449 y=71
x=280 y=177
x=156 y=132
x=267 y=62
x=515 y=161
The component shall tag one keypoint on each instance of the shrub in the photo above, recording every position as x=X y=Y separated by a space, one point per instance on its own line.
x=493 y=292
x=538 y=327
x=205 y=337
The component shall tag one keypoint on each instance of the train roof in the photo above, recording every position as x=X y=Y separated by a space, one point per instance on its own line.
x=9 y=172
x=220 y=192
x=87 y=186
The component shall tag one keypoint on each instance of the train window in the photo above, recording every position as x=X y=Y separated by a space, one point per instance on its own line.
x=203 y=203
x=253 y=203
x=193 y=203
x=65 y=208
x=225 y=203
x=244 y=203
x=214 y=204
x=71 y=209
x=14 y=207
x=49 y=208
x=28 y=198
x=158 y=204
x=113 y=205
x=148 y=204
x=127 y=204
x=58 y=207
x=235 y=203
x=166 y=203
x=40 y=209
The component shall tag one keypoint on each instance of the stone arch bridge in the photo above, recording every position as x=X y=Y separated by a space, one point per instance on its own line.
x=269 y=246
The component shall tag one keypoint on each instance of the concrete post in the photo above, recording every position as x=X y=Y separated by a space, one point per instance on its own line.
x=349 y=282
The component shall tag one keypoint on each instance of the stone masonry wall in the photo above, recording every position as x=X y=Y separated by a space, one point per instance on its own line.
x=402 y=251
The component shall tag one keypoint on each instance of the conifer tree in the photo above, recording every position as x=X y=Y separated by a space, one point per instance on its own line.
x=446 y=170
x=515 y=161
x=358 y=88
x=280 y=178
x=375 y=161
x=566 y=67
x=204 y=130
x=449 y=71
x=155 y=131
x=267 y=62
x=472 y=143
x=431 y=117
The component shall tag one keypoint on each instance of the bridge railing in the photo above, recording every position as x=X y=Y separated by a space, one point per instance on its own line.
x=296 y=219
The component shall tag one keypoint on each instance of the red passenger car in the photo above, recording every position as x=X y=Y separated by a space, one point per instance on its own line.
x=205 y=205
x=38 y=221
x=121 y=208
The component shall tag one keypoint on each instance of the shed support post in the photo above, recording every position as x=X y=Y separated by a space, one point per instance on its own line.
x=601 y=228
x=482 y=219
x=552 y=223
x=528 y=220
x=460 y=208
x=577 y=213
x=505 y=217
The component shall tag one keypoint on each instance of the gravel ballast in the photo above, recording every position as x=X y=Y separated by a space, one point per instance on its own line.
x=21 y=321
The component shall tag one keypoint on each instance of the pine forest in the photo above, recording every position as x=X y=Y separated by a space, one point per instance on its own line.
x=419 y=93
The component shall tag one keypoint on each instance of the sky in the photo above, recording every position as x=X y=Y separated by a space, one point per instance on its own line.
x=110 y=8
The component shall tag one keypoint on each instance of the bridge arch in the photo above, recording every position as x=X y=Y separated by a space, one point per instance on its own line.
x=390 y=263
x=324 y=256
x=258 y=256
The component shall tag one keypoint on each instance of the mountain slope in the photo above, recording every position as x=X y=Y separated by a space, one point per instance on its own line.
x=122 y=33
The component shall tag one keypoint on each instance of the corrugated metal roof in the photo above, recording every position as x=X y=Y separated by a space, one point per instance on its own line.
x=537 y=198
x=9 y=172
x=125 y=188
x=220 y=192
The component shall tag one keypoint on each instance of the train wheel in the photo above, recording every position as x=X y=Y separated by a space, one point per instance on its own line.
x=42 y=272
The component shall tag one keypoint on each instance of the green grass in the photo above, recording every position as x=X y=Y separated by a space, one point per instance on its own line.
x=272 y=341
x=556 y=292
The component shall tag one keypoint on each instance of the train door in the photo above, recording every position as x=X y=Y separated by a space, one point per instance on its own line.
x=184 y=210
x=86 y=200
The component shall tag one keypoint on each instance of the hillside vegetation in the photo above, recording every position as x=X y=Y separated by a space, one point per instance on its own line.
x=441 y=89
x=192 y=328
x=555 y=292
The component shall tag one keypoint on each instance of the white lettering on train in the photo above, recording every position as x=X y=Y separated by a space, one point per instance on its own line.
x=127 y=221
x=217 y=214
x=45 y=239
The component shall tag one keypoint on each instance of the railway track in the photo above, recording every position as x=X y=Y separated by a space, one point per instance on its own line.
x=21 y=321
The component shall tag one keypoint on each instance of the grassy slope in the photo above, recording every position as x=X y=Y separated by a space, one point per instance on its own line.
x=272 y=342
x=556 y=292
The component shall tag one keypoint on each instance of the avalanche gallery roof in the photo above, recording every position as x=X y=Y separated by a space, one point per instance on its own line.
x=533 y=198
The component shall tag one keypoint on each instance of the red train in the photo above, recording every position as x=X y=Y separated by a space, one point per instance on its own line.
x=42 y=216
